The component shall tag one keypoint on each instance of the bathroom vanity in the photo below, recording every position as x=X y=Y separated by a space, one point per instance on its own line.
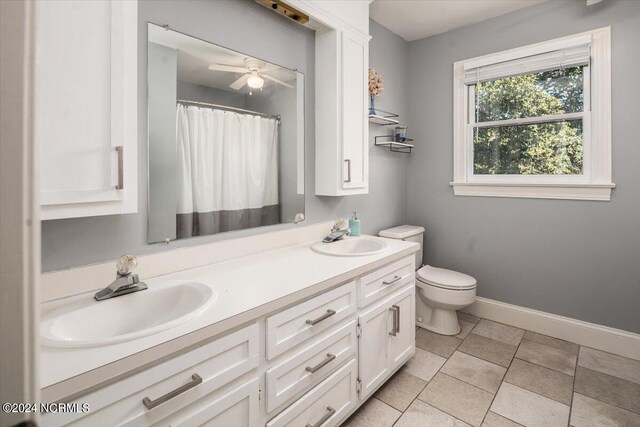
x=304 y=349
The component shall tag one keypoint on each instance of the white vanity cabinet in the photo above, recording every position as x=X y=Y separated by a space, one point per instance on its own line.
x=86 y=107
x=341 y=91
x=342 y=130
x=355 y=127
x=387 y=338
x=312 y=363
x=193 y=388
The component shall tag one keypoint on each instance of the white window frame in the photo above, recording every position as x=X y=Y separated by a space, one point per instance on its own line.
x=595 y=183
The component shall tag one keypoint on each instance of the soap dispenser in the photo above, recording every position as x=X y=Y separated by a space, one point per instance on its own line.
x=354 y=225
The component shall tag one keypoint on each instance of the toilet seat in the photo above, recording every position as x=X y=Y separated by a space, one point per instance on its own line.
x=444 y=279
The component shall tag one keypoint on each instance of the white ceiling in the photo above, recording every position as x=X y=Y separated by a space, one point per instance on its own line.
x=416 y=19
x=195 y=56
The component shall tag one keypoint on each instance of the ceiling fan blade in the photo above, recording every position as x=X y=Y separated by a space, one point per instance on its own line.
x=269 y=67
x=280 y=82
x=238 y=84
x=227 y=68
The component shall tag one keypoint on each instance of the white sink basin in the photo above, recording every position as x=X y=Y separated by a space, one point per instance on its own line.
x=86 y=322
x=352 y=246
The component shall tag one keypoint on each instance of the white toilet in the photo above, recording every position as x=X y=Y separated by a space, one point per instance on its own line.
x=441 y=292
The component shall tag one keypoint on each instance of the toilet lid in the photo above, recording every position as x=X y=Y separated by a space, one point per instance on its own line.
x=447 y=279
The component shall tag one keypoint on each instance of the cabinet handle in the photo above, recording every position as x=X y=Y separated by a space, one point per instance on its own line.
x=325 y=417
x=120 y=151
x=396 y=320
x=395 y=279
x=313 y=369
x=328 y=314
x=348 y=162
x=150 y=404
x=391 y=282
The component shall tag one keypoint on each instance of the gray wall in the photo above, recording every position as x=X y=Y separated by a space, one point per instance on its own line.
x=200 y=93
x=579 y=259
x=163 y=197
x=245 y=26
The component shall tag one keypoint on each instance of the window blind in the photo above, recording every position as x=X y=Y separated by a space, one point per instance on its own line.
x=568 y=57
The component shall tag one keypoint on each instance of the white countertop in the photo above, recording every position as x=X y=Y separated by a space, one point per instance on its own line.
x=268 y=280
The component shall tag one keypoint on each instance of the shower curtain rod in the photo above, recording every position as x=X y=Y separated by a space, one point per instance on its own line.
x=225 y=107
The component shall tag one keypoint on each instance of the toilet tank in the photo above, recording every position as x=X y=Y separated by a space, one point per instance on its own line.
x=410 y=233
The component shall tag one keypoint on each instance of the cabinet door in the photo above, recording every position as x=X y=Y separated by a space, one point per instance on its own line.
x=355 y=147
x=373 y=347
x=86 y=107
x=402 y=345
x=387 y=338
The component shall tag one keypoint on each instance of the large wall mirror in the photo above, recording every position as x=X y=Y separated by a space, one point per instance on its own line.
x=226 y=139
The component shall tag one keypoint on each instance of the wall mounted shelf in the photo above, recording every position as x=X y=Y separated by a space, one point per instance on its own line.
x=395 y=146
x=383 y=118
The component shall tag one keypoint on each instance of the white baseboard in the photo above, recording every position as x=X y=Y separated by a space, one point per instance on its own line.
x=584 y=333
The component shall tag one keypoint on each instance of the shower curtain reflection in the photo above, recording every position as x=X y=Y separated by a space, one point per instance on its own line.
x=227 y=171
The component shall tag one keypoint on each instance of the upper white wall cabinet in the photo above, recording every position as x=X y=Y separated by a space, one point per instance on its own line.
x=86 y=107
x=342 y=64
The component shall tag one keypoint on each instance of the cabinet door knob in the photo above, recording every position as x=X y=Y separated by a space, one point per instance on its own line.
x=150 y=404
x=328 y=314
x=325 y=417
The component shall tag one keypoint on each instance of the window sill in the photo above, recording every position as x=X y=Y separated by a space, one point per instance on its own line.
x=600 y=192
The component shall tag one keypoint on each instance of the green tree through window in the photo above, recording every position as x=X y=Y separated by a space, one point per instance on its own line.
x=551 y=148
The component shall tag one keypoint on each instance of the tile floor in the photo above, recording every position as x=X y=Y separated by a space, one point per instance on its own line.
x=494 y=375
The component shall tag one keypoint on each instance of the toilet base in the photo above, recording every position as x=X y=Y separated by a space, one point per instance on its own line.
x=441 y=321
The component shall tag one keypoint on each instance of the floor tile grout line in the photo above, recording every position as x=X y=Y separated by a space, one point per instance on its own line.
x=608 y=375
x=439 y=409
x=539 y=394
x=490 y=361
x=502 y=382
x=413 y=400
x=554 y=370
x=450 y=376
x=507 y=368
x=428 y=382
x=468 y=383
x=606 y=403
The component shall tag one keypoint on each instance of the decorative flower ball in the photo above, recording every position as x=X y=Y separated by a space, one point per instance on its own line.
x=375 y=83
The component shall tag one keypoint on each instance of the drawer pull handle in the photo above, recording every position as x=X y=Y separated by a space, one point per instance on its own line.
x=391 y=282
x=150 y=404
x=328 y=314
x=396 y=319
x=319 y=366
x=325 y=417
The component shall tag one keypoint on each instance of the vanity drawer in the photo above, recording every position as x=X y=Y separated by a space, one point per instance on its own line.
x=307 y=367
x=198 y=372
x=386 y=280
x=303 y=321
x=238 y=407
x=325 y=405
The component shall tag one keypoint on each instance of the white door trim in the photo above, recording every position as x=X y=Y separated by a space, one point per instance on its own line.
x=19 y=222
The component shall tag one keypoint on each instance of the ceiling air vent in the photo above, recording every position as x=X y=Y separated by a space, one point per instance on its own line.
x=285 y=10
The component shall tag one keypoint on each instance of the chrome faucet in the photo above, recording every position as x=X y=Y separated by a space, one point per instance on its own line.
x=337 y=233
x=125 y=282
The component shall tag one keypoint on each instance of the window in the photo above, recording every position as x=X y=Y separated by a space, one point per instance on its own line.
x=535 y=121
